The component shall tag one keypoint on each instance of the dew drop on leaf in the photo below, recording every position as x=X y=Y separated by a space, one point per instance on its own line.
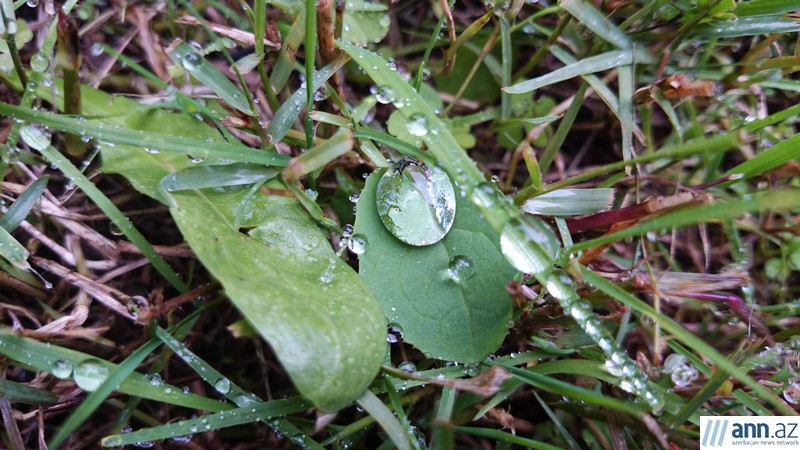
x=358 y=244
x=62 y=369
x=417 y=125
x=460 y=268
x=529 y=245
x=792 y=393
x=416 y=204
x=90 y=374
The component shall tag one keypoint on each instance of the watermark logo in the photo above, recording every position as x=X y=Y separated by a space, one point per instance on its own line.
x=749 y=432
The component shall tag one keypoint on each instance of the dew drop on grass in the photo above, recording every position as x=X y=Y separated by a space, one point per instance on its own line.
x=384 y=95
x=155 y=379
x=96 y=49
x=417 y=125
x=223 y=385
x=114 y=229
x=180 y=440
x=32 y=3
x=144 y=444
x=191 y=61
x=407 y=366
x=62 y=369
x=529 y=245
x=90 y=374
x=358 y=244
x=39 y=62
x=416 y=204
x=460 y=268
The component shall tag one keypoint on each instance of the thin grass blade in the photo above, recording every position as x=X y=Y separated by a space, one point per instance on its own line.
x=18 y=211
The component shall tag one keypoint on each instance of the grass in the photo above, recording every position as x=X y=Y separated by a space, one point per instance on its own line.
x=181 y=261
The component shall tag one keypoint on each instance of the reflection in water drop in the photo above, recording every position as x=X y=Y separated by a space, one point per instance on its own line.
x=358 y=244
x=417 y=125
x=384 y=94
x=529 y=245
x=792 y=392
x=223 y=385
x=416 y=204
x=62 y=369
x=90 y=374
x=460 y=268
x=191 y=61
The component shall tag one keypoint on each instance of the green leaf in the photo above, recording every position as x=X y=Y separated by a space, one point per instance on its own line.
x=455 y=320
x=365 y=22
x=19 y=210
x=331 y=360
x=13 y=251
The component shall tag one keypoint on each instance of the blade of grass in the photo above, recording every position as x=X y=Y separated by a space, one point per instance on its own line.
x=559 y=387
x=13 y=251
x=18 y=211
x=159 y=141
x=442 y=436
x=769 y=201
x=284 y=118
x=210 y=422
x=687 y=338
x=502 y=436
x=378 y=411
x=114 y=214
x=626 y=84
x=592 y=64
x=783 y=152
x=592 y=19
x=21 y=392
x=311 y=52
x=44 y=356
x=564 y=126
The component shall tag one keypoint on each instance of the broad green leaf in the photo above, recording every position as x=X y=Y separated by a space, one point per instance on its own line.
x=364 y=22
x=460 y=320
x=284 y=258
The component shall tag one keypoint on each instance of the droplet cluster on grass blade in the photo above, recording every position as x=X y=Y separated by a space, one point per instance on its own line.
x=417 y=204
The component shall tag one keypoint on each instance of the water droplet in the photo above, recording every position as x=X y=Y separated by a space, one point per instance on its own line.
x=793 y=363
x=529 y=245
x=39 y=62
x=417 y=125
x=155 y=379
x=560 y=286
x=384 y=94
x=96 y=49
x=312 y=194
x=358 y=244
x=792 y=392
x=180 y=440
x=485 y=195
x=347 y=231
x=416 y=204
x=32 y=3
x=145 y=444
x=62 y=369
x=460 y=268
x=151 y=150
x=191 y=61
x=407 y=366
x=354 y=197
x=495 y=179
x=90 y=374
x=114 y=229
x=223 y=385
x=390 y=338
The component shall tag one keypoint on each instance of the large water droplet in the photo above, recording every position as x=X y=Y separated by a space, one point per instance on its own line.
x=223 y=385
x=155 y=379
x=416 y=204
x=358 y=244
x=529 y=245
x=384 y=95
x=90 y=374
x=417 y=125
x=191 y=61
x=460 y=268
x=62 y=369
x=407 y=366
